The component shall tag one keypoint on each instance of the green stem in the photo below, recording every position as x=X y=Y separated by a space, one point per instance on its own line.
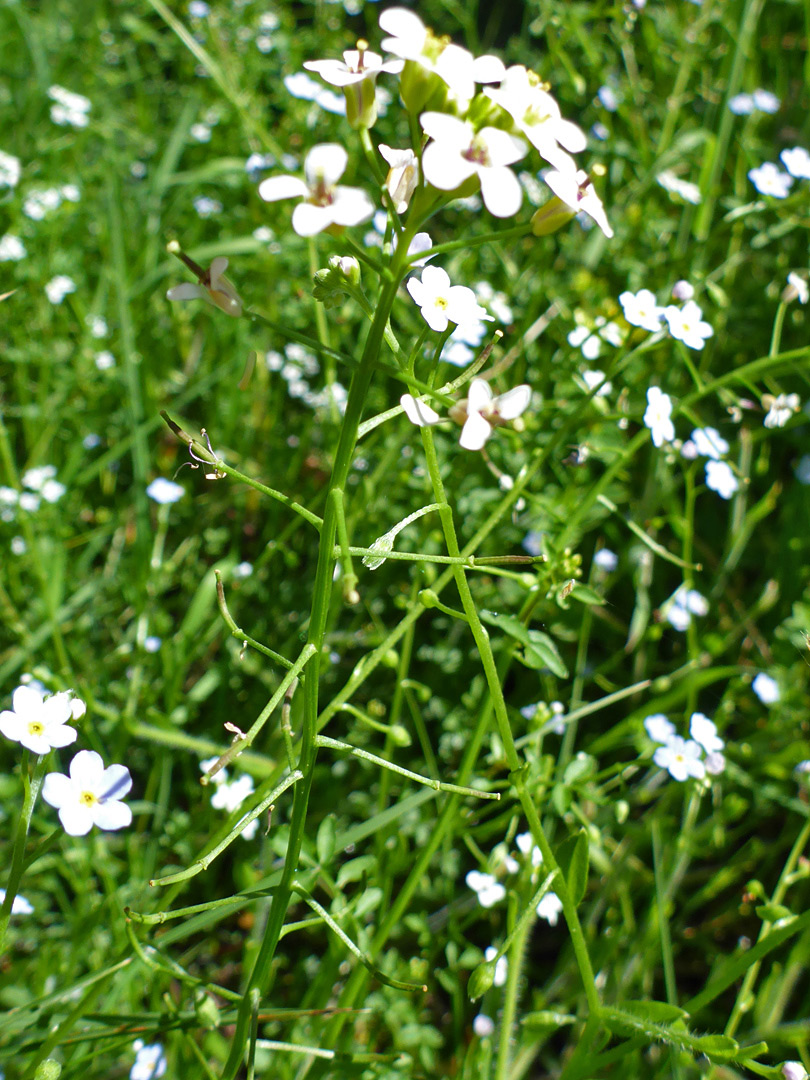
x=31 y=786
x=261 y=974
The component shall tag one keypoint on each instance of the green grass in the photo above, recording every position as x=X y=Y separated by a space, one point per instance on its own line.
x=682 y=948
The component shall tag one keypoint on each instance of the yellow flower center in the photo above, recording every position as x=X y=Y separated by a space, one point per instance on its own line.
x=36 y=727
x=88 y=799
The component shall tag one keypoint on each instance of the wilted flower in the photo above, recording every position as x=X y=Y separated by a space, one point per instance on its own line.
x=325 y=201
x=213 y=286
x=403 y=175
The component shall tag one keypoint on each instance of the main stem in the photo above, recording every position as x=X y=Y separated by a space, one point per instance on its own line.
x=262 y=970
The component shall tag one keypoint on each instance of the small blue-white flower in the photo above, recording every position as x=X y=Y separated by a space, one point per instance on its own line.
x=704 y=732
x=797 y=162
x=769 y=179
x=687 y=324
x=165 y=491
x=486 y=887
x=549 y=908
x=681 y=759
x=19 y=905
x=642 y=309
x=720 y=478
x=659 y=728
x=501 y=965
x=766 y=688
x=657 y=416
x=150 y=1061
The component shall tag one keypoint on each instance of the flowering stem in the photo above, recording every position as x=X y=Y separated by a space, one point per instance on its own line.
x=31 y=786
x=261 y=974
x=516 y=766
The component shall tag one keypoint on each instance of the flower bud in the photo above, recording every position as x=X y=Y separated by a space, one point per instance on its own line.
x=552 y=216
x=336 y=280
x=481 y=980
x=794 y=1070
x=206 y=1011
x=48 y=1070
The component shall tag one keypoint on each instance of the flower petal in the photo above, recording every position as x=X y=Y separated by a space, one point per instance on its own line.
x=350 y=206
x=26 y=699
x=56 y=709
x=325 y=164
x=475 y=432
x=115 y=783
x=12 y=725
x=87 y=770
x=479 y=396
x=501 y=191
x=58 y=789
x=186 y=291
x=445 y=168
x=514 y=402
x=77 y=819
x=418 y=412
x=282 y=187
x=62 y=735
x=307 y=220
x=112 y=815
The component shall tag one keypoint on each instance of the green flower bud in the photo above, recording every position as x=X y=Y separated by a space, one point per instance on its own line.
x=552 y=216
x=48 y=1070
x=481 y=980
x=207 y=1011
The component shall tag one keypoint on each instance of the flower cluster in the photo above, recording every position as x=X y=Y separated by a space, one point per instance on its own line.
x=69 y=109
x=682 y=758
x=685 y=323
x=474 y=137
x=490 y=891
x=682 y=605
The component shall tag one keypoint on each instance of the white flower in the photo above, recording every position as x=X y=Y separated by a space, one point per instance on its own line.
x=418 y=411
x=357 y=66
x=501 y=965
x=242 y=570
x=70 y=192
x=641 y=309
x=742 y=105
x=442 y=303
x=403 y=175
x=606 y=560
x=19 y=905
x=796 y=288
x=715 y=763
x=212 y=286
x=485 y=411
x=483 y=1026
x=200 y=132
x=459 y=152
x=794 y=1070
x=708 y=442
x=38 y=724
x=12 y=248
x=206 y=207
x=70 y=109
x=659 y=728
x=704 y=732
x=594 y=379
x=766 y=688
x=152 y=643
x=97 y=325
x=90 y=796
x=537 y=115
x=688 y=192
x=797 y=162
x=526 y=845
x=459 y=69
x=36 y=478
x=680 y=758
x=780 y=408
x=52 y=491
x=488 y=889
x=682 y=605
x=150 y=1061
x=720 y=478
x=583 y=338
x=579 y=194
x=765 y=101
x=549 y=908
x=682 y=290
x=687 y=325
x=165 y=491
x=657 y=416
x=229 y=796
x=325 y=201
x=58 y=288
x=10 y=170
x=768 y=179
x=105 y=360
x=40 y=203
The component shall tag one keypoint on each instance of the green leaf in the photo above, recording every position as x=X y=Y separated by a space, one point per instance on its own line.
x=354 y=869
x=659 y=1012
x=539 y=650
x=774 y=912
x=586 y=595
x=325 y=842
x=543 y=645
x=746 y=1053
x=572 y=855
x=371 y=899
x=716 y=1047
